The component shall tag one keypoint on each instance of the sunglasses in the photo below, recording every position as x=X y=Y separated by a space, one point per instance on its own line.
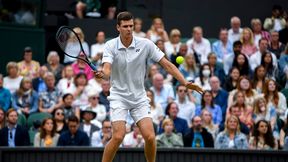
x=94 y=98
x=182 y=90
x=58 y=113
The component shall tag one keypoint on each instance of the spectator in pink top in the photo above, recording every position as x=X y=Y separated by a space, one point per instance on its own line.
x=80 y=66
x=248 y=46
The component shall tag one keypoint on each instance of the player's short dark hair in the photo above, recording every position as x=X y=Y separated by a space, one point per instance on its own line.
x=124 y=16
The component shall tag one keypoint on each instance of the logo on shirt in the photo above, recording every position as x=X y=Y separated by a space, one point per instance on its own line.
x=137 y=50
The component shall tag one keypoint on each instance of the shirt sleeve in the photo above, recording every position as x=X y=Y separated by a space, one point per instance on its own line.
x=154 y=52
x=107 y=54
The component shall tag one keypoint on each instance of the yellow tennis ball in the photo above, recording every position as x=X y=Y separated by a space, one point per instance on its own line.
x=180 y=59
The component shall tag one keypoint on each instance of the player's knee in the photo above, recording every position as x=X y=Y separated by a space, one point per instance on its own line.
x=150 y=138
x=118 y=137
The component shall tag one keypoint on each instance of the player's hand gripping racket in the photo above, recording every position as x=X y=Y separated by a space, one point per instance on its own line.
x=68 y=39
x=195 y=87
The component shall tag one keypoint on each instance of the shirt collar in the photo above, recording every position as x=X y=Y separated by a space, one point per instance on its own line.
x=121 y=46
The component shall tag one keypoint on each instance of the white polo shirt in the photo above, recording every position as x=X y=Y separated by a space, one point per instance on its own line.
x=129 y=67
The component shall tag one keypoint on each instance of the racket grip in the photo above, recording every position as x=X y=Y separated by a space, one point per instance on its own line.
x=92 y=66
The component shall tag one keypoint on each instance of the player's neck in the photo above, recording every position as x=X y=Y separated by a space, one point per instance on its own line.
x=126 y=41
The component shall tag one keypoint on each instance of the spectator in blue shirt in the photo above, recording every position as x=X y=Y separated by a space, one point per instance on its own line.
x=74 y=136
x=5 y=96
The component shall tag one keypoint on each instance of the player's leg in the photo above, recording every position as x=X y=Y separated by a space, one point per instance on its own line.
x=112 y=146
x=147 y=131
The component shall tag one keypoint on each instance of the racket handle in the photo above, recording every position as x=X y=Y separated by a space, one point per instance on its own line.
x=92 y=66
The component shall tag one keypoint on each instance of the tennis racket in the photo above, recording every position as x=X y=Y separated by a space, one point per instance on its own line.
x=68 y=40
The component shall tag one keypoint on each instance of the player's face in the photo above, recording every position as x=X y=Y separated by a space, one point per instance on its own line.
x=126 y=28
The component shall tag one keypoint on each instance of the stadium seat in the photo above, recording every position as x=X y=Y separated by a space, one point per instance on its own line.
x=21 y=120
x=37 y=116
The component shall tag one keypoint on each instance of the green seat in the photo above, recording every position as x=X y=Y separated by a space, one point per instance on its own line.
x=37 y=116
x=32 y=134
x=21 y=120
x=212 y=40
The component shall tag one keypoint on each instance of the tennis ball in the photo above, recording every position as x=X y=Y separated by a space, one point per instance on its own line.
x=180 y=59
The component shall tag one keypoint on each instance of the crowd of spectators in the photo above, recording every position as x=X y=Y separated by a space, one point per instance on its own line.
x=244 y=74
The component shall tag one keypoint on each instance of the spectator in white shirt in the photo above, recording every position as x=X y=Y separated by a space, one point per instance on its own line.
x=235 y=32
x=12 y=81
x=173 y=45
x=98 y=47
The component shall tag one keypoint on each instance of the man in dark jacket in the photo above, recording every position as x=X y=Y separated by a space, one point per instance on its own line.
x=13 y=134
x=197 y=136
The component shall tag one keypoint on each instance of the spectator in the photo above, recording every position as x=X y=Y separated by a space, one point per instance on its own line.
x=262 y=137
x=88 y=8
x=186 y=107
x=168 y=138
x=236 y=30
x=232 y=80
x=5 y=96
x=189 y=68
x=138 y=28
x=134 y=138
x=69 y=109
x=73 y=49
x=172 y=46
x=49 y=99
x=222 y=47
x=198 y=136
x=157 y=31
x=208 y=103
x=38 y=83
x=283 y=34
x=275 y=45
x=103 y=96
x=28 y=67
x=13 y=134
x=183 y=49
x=156 y=109
x=60 y=123
x=284 y=136
x=216 y=67
x=99 y=109
x=231 y=137
x=199 y=45
x=242 y=63
x=100 y=138
x=267 y=62
x=2 y=118
x=47 y=137
x=81 y=92
x=258 y=80
x=66 y=84
x=228 y=61
x=204 y=77
x=108 y=9
x=74 y=136
x=152 y=70
x=88 y=115
x=81 y=66
x=255 y=59
x=283 y=62
x=219 y=95
x=247 y=39
x=53 y=65
x=12 y=81
x=208 y=124
x=164 y=93
x=258 y=32
x=276 y=22
x=94 y=84
x=180 y=124
x=98 y=47
x=25 y=99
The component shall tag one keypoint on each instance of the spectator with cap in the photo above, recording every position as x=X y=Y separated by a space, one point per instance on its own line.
x=13 y=79
x=5 y=96
x=28 y=67
x=99 y=109
x=13 y=134
x=86 y=126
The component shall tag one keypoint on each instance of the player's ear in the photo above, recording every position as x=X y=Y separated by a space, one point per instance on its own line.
x=118 y=27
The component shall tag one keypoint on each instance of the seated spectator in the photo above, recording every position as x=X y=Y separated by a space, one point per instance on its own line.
x=172 y=46
x=232 y=79
x=216 y=68
x=80 y=66
x=53 y=65
x=283 y=140
x=271 y=70
x=60 y=123
x=198 y=136
x=262 y=137
x=74 y=136
x=101 y=138
x=168 y=138
x=98 y=48
x=13 y=134
x=186 y=107
x=12 y=81
x=258 y=80
x=2 y=118
x=235 y=31
x=204 y=77
x=38 y=82
x=208 y=103
x=208 y=124
x=231 y=137
x=276 y=22
x=222 y=47
x=156 y=109
x=69 y=109
x=134 y=138
x=157 y=31
x=242 y=63
x=189 y=68
x=25 y=99
x=104 y=94
x=5 y=96
x=247 y=39
x=94 y=84
x=228 y=61
x=47 y=137
x=258 y=32
x=151 y=71
x=49 y=99
x=180 y=124
x=88 y=8
x=81 y=92
x=99 y=109
x=87 y=116
x=70 y=47
x=199 y=45
x=66 y=84
x=138 y=28
x=164 y=93
x=283 y=66
x=275 y=45
x=183 y=49
x=28 y=67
